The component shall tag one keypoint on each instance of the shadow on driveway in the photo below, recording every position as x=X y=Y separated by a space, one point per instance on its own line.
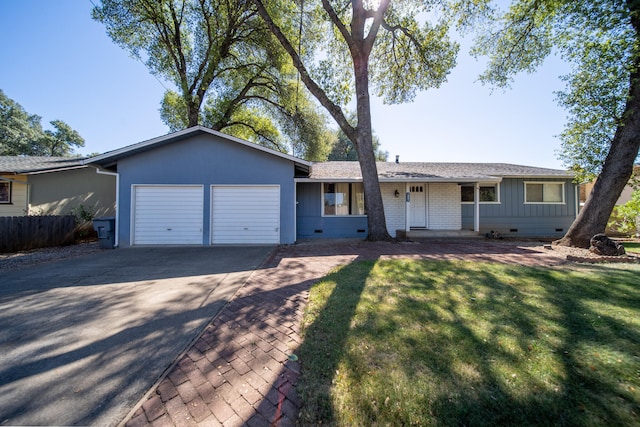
x=82 y=339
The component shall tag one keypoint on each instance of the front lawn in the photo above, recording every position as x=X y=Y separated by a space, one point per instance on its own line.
x=632 y=247
x=454 y=343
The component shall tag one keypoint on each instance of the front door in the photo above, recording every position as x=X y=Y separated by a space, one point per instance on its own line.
x=418 y=206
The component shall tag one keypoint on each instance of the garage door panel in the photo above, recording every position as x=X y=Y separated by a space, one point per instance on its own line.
x=245 y=215
x=168 y=215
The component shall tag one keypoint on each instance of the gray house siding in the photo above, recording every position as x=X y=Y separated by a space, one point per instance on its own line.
x=206 y=160
x=60 y=192
x=311 y=224
x=512 y=217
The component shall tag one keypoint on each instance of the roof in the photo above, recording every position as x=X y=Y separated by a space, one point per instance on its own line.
x=37 y=164
x=110 y=158
x=433 y=172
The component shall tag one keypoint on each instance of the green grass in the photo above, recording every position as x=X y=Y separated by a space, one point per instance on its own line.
x=452 y=343
x=632 y=247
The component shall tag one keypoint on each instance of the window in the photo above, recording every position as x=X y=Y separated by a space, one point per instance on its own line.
x=544 y=192
x=5 y=192
x=343 y=198
x=488 y=193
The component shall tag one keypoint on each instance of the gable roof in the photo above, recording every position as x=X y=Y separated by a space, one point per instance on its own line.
x=38 y=164
x=433 y=172
x=110 y=158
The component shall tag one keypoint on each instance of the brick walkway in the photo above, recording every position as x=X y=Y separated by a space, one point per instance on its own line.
x=242 y=370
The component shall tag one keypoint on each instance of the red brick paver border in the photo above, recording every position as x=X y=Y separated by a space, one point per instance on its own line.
x=242 y=369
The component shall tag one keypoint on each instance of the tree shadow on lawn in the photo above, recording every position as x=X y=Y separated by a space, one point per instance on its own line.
x=449 y=343
x=325 y=340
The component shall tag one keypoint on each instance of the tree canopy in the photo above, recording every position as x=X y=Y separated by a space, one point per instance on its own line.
x=228 y=72
x=600 y=39
x=345 y=49
x=597 y=39
x=21 y=133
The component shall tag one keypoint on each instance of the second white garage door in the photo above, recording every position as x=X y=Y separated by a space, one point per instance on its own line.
x=245 y=214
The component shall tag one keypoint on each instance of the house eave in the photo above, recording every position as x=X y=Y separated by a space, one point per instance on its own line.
x=408 y=179
x=111 y=158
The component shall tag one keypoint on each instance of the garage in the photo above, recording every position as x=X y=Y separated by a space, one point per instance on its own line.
x=168 y=215
x=245 y=214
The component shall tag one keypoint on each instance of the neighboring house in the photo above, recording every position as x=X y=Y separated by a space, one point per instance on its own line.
x=53 y=186
x=625 y=196
x=202 y=187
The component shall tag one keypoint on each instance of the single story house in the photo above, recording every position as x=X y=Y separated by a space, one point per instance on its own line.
x=201 y=187
x=34 y=185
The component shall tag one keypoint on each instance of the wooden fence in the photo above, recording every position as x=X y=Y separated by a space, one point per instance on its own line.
x=20 y=233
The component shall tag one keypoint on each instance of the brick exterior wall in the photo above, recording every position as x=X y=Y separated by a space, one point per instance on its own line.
x=445 y=211
x=394 y=207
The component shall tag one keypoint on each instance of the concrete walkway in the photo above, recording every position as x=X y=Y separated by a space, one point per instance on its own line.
x=242 y=369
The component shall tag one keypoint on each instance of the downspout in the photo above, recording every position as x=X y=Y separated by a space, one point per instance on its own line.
x=117 y=231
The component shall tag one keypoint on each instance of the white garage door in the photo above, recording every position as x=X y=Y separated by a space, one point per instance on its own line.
x=168 y=215
x=245 y=214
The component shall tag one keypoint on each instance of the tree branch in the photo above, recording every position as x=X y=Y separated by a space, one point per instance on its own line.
x=334 y=110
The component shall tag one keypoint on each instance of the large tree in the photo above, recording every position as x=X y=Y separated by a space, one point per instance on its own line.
x=21 y=133
x=342 y=49
x=600 y=39
x=228 y=72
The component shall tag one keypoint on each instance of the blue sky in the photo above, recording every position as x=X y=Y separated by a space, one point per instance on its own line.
x=60 y=64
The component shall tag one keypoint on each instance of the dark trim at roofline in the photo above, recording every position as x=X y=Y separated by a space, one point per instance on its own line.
x=110 y=158
x=36 y=172
x=39 y=171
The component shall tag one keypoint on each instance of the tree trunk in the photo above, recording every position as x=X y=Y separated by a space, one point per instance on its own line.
x=616 y=171
x=193 y=112
x=366 y=157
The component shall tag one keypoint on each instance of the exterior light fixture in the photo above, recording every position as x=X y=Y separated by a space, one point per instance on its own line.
x=397 y=193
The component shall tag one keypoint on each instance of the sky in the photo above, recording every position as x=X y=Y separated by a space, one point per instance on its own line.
x=60 y=64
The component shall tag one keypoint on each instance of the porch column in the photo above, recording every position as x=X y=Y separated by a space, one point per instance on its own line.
x=476 y=208
x=407 y=207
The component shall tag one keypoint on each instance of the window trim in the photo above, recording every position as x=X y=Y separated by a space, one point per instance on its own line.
x=561 y=183
x=483 y=184
x=10 y=192
x=350 y=195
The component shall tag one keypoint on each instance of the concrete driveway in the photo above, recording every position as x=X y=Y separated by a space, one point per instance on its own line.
x=82 y=339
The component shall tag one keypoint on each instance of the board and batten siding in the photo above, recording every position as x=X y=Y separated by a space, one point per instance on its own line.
x=513 y=217
x=311 y=224
x=245 y=214
x=168 y=215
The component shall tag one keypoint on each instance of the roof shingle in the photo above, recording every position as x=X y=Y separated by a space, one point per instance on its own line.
x=413 y=171
x=31 y=164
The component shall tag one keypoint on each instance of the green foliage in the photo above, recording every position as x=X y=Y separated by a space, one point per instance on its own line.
x=228 y=72
x=83 y=214
x=343 y=149
x=60 y=142
x=626 y=218
x=19 y=130
x=21 y=133
x=594 y=36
